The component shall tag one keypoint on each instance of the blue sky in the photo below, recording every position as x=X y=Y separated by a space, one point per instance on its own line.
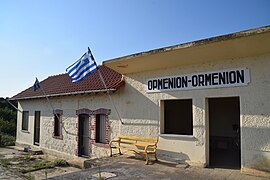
x=42 y=38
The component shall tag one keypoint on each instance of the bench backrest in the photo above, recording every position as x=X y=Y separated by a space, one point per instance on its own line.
x=142 y=139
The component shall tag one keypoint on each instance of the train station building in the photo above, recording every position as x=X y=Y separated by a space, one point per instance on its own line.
x=207 y=101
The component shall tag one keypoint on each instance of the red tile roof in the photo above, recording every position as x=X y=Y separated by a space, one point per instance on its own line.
x=60 y=85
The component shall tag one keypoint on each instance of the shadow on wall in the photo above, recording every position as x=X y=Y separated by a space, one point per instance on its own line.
x=177 y=157
x=136 y=106
x=261 y=162
x=256 y=142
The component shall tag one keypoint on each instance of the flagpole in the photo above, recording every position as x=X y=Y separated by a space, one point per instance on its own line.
x=47 y=98
x=13 y=105
x=49 y=101
x=107 y=90
x=52 y=107
x=39 y=86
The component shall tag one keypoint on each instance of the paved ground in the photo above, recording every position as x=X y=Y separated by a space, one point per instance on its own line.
x=11 y=159
x=127 y=167
x=7 y=174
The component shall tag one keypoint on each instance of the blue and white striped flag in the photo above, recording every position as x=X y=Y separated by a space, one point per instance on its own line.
x=85 y=66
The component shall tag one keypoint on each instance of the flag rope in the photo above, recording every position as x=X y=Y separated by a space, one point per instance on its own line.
x=107 y=90
x=54 y=110
x=100 y=75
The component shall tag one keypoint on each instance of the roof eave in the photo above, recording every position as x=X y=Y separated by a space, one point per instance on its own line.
x=65 y=94
x=144 y=60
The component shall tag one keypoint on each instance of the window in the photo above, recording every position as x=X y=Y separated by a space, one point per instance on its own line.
x=98 y=127
x=101 y=128
x=57 y=132
x=25 y=119
x=178 y=117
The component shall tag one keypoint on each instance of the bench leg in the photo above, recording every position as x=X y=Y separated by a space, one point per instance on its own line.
x=119 y=150
x=156 y=157
x=147 y=158
x=110 y=152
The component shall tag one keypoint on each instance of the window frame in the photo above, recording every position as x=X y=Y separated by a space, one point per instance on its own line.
x=57 y=116
x=164 y=132
x=101 y=111
x=25 y=121
x=92 y=127
x=98 y=128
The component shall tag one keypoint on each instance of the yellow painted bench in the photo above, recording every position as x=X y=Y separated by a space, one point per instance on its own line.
x=137 y=144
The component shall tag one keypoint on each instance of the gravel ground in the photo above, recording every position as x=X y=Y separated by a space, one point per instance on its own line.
x=13 y=159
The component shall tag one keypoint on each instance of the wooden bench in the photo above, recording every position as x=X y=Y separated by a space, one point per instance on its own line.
x=137 y=144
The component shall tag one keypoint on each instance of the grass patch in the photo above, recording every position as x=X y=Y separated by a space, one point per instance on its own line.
x=28 y=157
x=5 y=162
x=44 y=165
x=60 y=162
x=37 y=166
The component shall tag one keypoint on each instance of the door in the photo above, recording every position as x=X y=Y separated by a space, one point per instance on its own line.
x=224 y=132
x=37 y=128
x=83 y=135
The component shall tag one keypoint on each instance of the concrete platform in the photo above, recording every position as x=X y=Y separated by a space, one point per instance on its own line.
x=129 y=167
x=27 y=148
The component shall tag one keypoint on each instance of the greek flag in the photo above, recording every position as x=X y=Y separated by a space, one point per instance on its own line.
x=85 y=66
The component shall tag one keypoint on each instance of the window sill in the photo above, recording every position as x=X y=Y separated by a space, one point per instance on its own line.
x=178 y=136
x=58 y=137
x=25 y=131
x=101 y=145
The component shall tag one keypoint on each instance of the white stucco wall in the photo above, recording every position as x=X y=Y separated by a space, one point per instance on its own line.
x=139 y=108
x=142 y=114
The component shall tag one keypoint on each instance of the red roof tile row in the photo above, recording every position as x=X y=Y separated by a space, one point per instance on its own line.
x=60 y=85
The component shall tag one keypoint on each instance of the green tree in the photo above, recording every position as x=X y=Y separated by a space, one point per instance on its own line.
x=8 y=114
x=7 y=127
x=7 y=122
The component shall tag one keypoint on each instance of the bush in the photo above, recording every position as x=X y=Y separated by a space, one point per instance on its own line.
x=7 y=140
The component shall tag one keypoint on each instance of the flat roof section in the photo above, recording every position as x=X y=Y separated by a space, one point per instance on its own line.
x=231 y=46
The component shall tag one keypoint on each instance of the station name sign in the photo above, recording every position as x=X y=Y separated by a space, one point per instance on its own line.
x=212 y=79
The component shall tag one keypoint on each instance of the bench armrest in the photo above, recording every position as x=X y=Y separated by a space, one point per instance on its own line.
x=112 y=141
x=154 y=146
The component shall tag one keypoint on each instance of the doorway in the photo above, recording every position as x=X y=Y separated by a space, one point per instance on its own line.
x=37 y=128
x=224 y=132
x=83 y=135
